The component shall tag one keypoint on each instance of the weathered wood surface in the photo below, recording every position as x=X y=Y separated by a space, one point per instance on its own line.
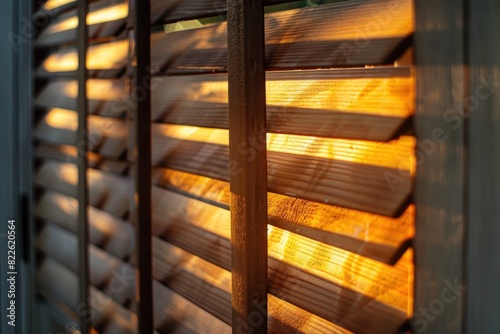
x=108 y=232
x=62 y=29
x=371 y=103
x=179 y=217
x=352 y=38
x=105 y=97
x=362 y=295
x=355 y=175
x=60 y=283
x=106 y=135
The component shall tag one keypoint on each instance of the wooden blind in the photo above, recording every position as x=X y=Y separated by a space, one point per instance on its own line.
x=339 y=87
x=110 y=307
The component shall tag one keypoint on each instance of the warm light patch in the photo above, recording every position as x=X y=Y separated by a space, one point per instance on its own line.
x=97 y=89
x=184 y=132
x=67 y=204
x=394 y=154
x=53 y=4
x=62 y=119
x=398 y=153
x=359 y=23
x=100 y=57
x=374 y=96
x=108 y=14
x=387 y=284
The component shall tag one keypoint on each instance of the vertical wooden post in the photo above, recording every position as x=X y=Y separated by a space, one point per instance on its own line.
x=482 y=105
x=441 y=175
x=83 y=231
x=248 y=167
x=142 y=199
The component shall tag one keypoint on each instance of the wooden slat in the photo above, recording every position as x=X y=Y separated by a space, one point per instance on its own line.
x=209 y=287
x=201 y=282
x=66 y=153
x=108 y=192
x=105 y=97
x=106 y=272
x=359 y=294
x=61 y=284
x=107 y=136
x=175 y=217
x=175 y=314
x=371 y=103
x=360 y=176
x=113 y=235
x=172 y=11
x=339 y=34
x=105 y=60
x=106 y=18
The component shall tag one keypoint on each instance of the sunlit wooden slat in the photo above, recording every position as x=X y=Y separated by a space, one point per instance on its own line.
x=176 y=217
x=372 y=103
x=351 y=38
x=106 y=97
x=106 y=59
x=105 y=18
x=362 y=295
x=353 y=174
x=106 y=231
x=107 y=136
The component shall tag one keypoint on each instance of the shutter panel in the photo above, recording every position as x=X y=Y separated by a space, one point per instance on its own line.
x=340 y=167
x=112 y=236
x=340 y=152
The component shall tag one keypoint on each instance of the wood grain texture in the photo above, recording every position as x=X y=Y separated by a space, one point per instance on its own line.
x=176 y=217
x=352 y=38
x=108 y=232
x=441 y=154
x=60 y=283
x=483 y=272
x=107 y=192
x=106 y=136
x=247 y=120
x=105 y=97
x=62 y=29
x=360 y=295
x=66 y=153
x=209 y=287
x=371 y=103
x=354 y=185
